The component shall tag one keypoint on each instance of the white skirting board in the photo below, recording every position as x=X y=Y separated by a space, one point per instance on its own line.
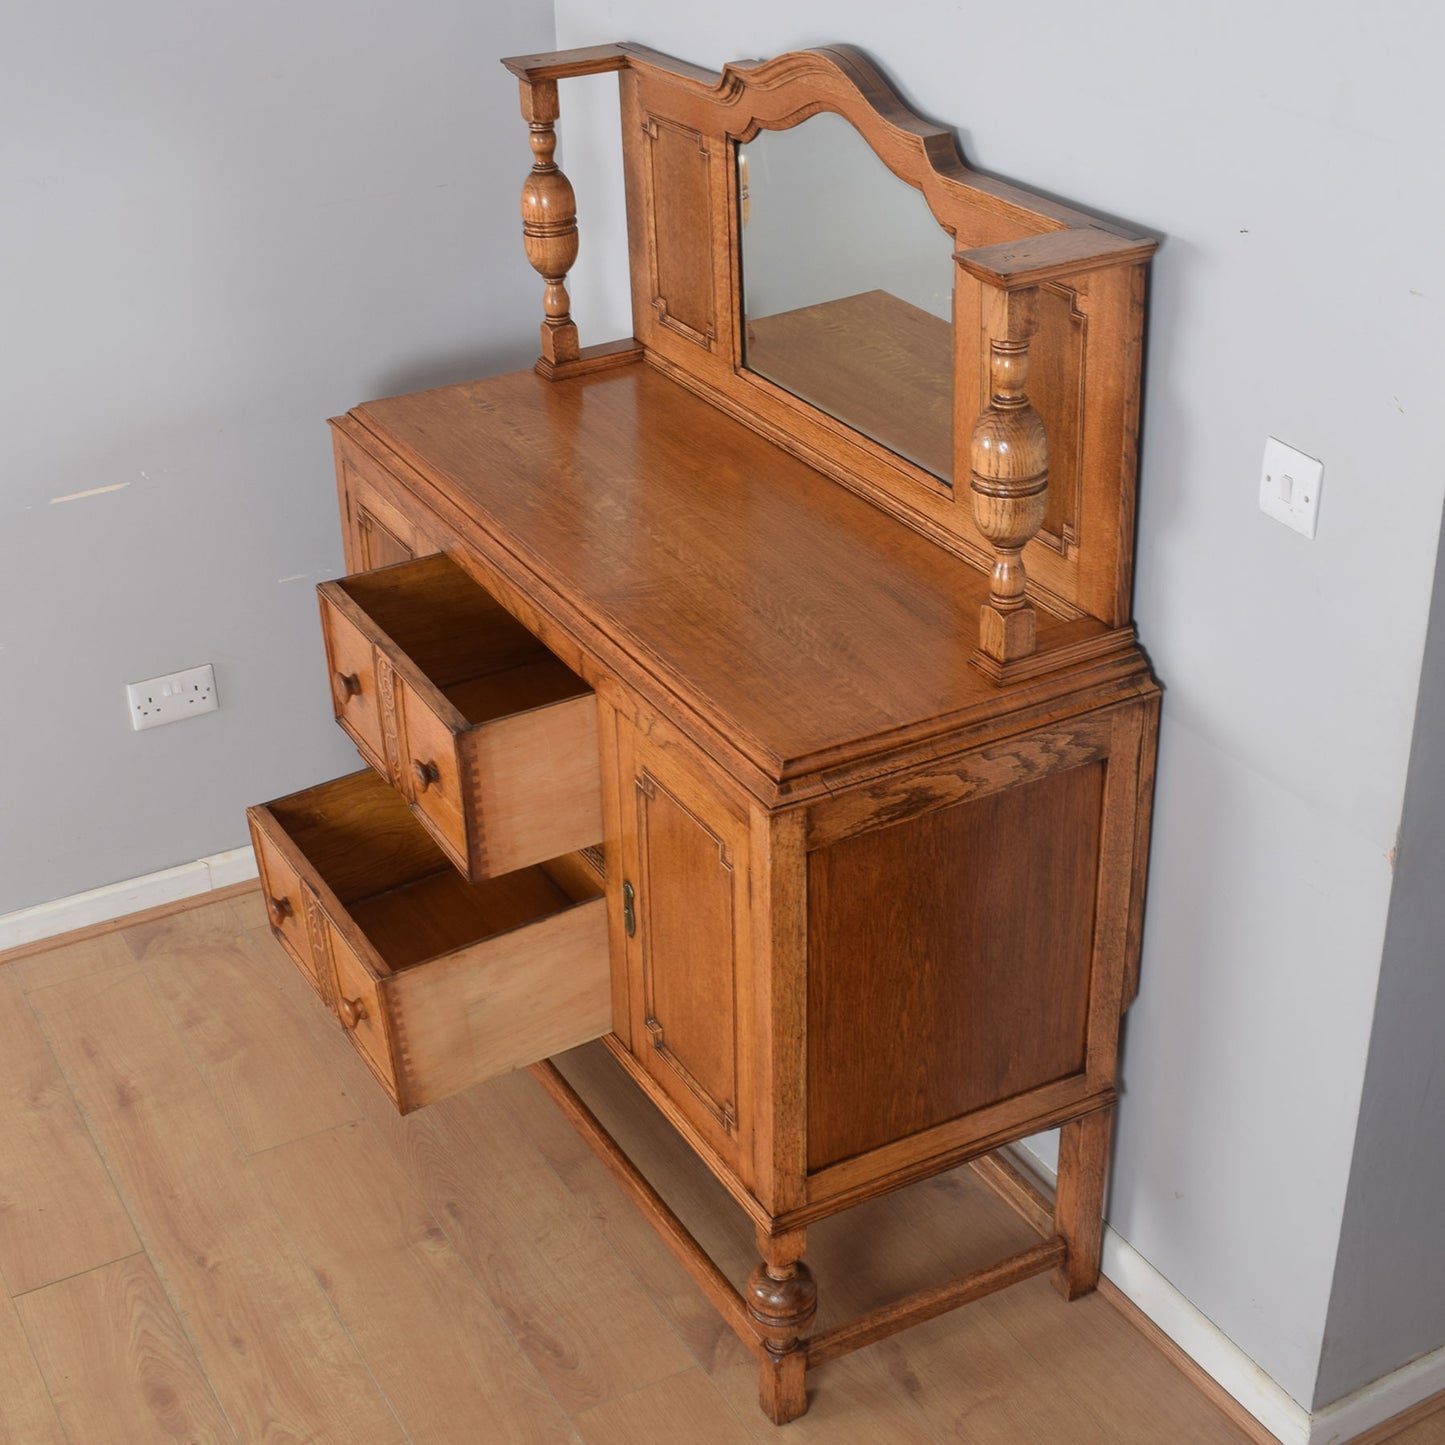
x=1224 y=1362
x=1379 y=1400
x=115 y=900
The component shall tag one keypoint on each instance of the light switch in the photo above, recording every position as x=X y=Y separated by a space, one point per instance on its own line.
x=1289 y=487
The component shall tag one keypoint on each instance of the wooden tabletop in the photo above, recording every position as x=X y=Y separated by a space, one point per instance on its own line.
x=808 y=624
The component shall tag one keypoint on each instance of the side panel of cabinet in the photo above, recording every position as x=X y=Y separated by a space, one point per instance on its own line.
x=949 y=961
x=685 y=861
x=972 y=937
x=375 y=531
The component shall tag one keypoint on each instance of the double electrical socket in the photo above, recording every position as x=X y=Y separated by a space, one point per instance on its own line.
x=168 y=699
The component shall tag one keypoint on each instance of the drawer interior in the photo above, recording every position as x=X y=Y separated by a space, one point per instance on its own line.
x=482 y=659
x=359 y=837
x=537 y=682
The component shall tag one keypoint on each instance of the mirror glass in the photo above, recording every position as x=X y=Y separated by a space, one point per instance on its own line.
x=848 y=288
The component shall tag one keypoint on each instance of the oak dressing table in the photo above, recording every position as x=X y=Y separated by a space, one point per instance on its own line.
x=758 y=694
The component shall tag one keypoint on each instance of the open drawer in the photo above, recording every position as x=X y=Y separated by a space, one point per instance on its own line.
x=439 y=983
x=489 y=737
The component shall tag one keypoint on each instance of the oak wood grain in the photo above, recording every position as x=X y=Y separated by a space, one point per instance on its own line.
x=685 y=1406
x=705 y=1274
x=503 y=1003
x=88 y=951
x=685 y=851
x=811 y=625
x=244 y=1038
x=671 y=1289
x=439 y=982
x=978 y=959
x=117 y=1363
x=392 y=1275
x=281 y=1365
x=59 y=1211
x=584 y=1323
x=743 y=580
x=1002 y=237
x=560 y=64
x=1014 y=1369
x=28 y=1417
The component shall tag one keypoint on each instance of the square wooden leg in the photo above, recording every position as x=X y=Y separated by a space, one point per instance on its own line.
x=1079 y=1201
x=782 y=1385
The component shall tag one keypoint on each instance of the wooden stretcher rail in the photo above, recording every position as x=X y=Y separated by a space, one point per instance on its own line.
x=1017 y=1190
x=689 y=1253
x=927 y=1304
x=854 y=1334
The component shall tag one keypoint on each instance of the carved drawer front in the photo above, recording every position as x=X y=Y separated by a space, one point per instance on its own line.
x=287 y=906
x=489 y=737
x=439 y=982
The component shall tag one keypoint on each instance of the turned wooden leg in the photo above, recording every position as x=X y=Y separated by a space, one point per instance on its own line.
x=782 y=1300
x=1079 y=1202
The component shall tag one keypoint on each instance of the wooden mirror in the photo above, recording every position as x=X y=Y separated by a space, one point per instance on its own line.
x=1001 y=425
x=847 y=285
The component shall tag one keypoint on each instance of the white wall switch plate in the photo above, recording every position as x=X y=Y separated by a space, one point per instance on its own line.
x=1289 y=487
x=168 y=699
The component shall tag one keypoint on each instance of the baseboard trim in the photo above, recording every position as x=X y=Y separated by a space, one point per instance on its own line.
x=1260 y=1406
x=1221 y=1370
x=30 y=929
x=1385 y=1406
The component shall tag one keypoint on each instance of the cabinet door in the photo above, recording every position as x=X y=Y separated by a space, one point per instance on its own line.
x=685 y=862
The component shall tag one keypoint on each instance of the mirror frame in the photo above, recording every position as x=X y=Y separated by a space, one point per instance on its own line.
x=1047 y=319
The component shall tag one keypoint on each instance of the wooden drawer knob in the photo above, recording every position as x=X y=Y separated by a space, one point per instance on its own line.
x=348 y=684
x=351 y=1011
x=280 y=910
x=426 y=773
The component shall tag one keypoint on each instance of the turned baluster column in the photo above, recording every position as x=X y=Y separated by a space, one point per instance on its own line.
x=549 y=222
x=1009 y=464
x=782 y=1299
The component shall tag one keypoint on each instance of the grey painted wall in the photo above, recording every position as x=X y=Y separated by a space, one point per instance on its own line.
x=1296 y=294
x=218 y=226
x=1388 y=1302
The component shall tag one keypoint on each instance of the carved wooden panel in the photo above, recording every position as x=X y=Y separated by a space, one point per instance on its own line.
x=319 y=939
x=386 y=694
x=378 y=547
x=1056 y=386
x=377 y=532
x=681 y=229
x=948 y=961
x=686 y=906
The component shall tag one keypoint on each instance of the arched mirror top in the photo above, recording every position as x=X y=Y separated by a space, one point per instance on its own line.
x=977 y=379
x=847 y=288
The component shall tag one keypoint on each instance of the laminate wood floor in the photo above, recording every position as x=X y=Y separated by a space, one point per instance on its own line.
x=213 y=1227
